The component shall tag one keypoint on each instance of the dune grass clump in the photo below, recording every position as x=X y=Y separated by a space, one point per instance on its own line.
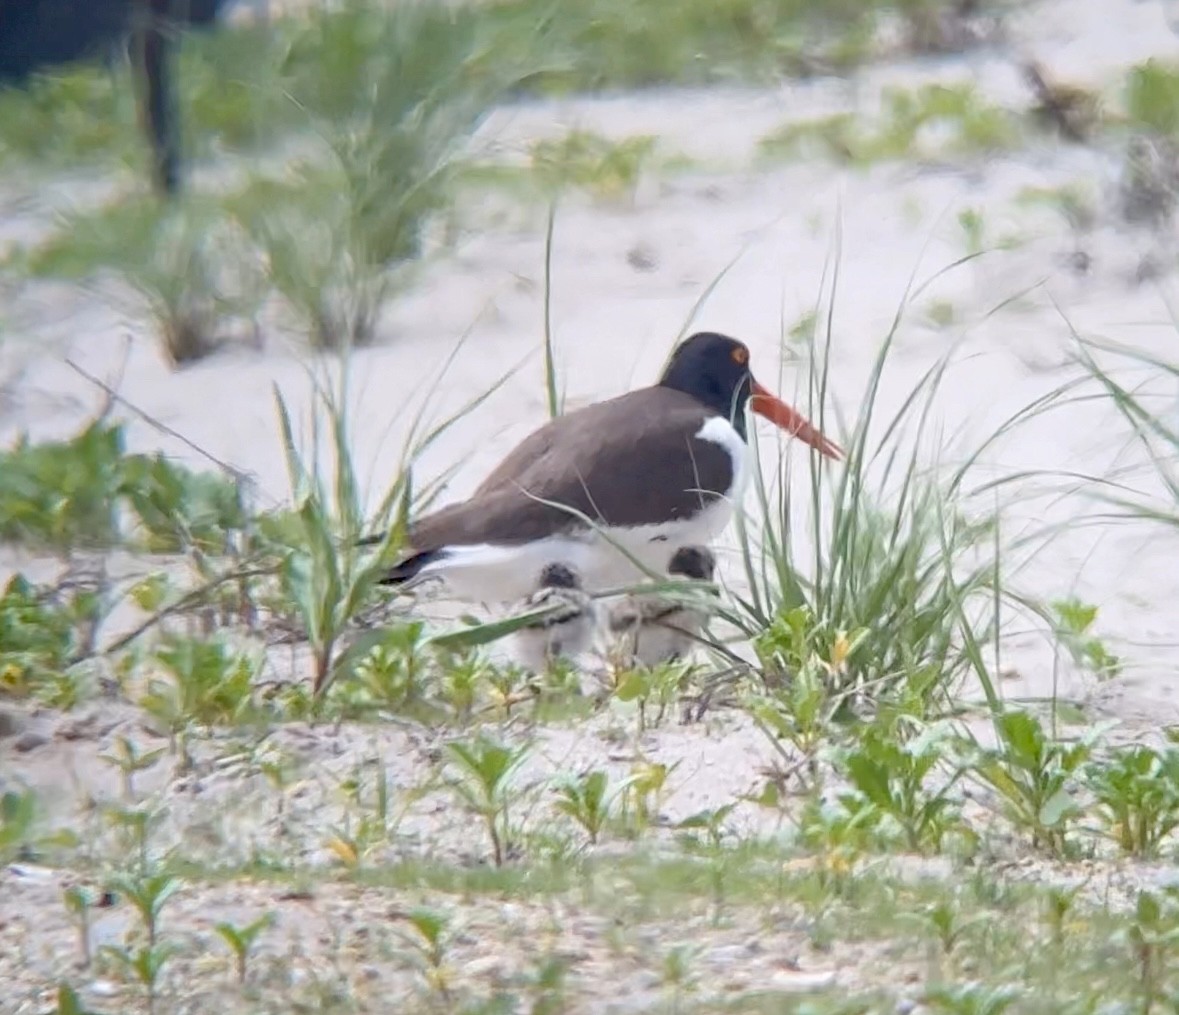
x=184 y=266
x=878 y=597
x=393 y=110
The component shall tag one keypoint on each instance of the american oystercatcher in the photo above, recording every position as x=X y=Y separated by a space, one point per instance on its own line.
x=565 y=632
x=611 y=491
x=653 y=629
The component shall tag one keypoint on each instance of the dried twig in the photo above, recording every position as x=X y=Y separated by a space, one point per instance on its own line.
x=187 y=601
x=157 y=424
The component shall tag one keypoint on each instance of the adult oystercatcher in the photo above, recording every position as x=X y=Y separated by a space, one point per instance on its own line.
x=612 y=491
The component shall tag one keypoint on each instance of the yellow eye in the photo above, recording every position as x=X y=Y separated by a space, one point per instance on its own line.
x=741 y=355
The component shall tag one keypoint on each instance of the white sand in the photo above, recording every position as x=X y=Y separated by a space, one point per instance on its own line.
x=615 y=324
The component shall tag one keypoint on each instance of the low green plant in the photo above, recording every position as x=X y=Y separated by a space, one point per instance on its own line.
x=589 y=161
x=372 y=821
x=198 y=680
x=1152 y=935
x=931 y=122
x=64 y=493
x=68 y=1002
x=643 y=797
x=134 y=826
x=78 y=902
x=589 y=800
x=87 y=492
x=1136 y=791
x=128 y=759
x=902 y=780
x=659 y=684
x=145 y=964
x=948 y=925
x=1034 y=777
x=22 y=828
x=971 y=999
x=148 y=893
x=711 y=822
x=803 y=664
x=392 y=672
x=241 y=940
x=44 y=633
x=483 y=783
x=678 y=974
x=428 y=939
x=547 y=986
x=838 y=832
x=1152 y=96
x=1074 y=622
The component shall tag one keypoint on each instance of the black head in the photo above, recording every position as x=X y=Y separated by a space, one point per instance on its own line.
x=693 y=562
x=713 y=369
x=558 y=576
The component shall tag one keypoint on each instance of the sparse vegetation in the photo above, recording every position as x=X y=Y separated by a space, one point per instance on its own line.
x=270 y=729
x=933 y=122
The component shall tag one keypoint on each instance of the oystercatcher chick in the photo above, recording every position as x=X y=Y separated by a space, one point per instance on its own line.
x=564 y=633
x=652 y=629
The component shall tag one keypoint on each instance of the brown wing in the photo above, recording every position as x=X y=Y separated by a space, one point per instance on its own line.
x=629 y=461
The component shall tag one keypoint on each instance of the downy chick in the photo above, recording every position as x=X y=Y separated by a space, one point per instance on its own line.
x=654 y=629
x=565 y=633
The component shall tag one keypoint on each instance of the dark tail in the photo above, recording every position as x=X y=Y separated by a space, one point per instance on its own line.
x=406 y=570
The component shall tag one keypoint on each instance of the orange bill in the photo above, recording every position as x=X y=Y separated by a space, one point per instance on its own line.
x=769 y=406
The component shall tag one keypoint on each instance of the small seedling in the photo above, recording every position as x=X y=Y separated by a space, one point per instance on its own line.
x=678 y=974
x=942 y=918
x=643 y=684
x=1058 y=903
x=1074 y=621
x=644 y=794
x=138 y=823
x=68 y=1002
x=241 y=940
x=20 y=834
x=145 y=965
x=589 y=799
x=127 y=758
x=148 y=893
x=1152 y=936
x=711 y=822
x=78 y=902
x=973 y=229
x=429 y=940
x=895 y=778
x=484 y=772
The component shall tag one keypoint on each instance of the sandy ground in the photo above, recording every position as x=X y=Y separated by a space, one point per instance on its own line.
x=778 y=226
